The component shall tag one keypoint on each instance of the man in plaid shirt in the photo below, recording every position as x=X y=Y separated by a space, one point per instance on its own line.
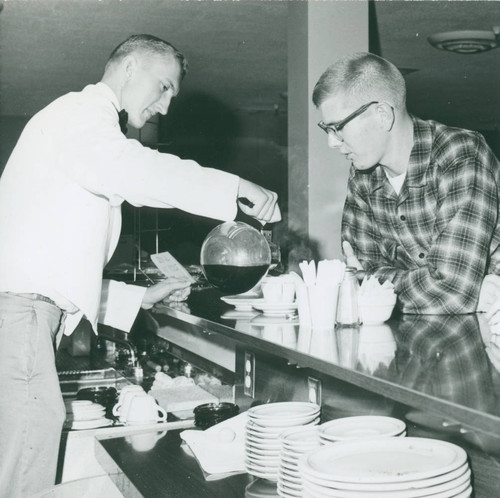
x=422 y=201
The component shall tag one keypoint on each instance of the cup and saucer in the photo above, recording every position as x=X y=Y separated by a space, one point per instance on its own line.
x=241 y=302
x=139 y=408
x=278 y=296
x=275 y=309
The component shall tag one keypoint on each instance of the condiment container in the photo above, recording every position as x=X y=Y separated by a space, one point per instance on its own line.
x=347 y=304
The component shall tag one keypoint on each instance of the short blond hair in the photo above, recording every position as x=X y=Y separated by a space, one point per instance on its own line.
x=362 y=77
x=149 y=45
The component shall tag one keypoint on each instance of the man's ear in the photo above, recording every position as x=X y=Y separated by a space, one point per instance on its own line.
x=129 y=65
x=386 y=115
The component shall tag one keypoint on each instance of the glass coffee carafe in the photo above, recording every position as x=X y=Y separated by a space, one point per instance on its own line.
x=235 y=256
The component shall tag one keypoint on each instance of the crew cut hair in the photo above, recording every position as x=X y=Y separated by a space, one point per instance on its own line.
x=362 y=77
x=148 y=45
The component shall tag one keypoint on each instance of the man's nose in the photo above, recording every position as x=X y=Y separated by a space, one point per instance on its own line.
x=164 y=103
x=333 y=141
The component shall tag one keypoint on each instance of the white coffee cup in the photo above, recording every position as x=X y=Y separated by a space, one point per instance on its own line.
x=143 y=409
x=127 y=389
x=121 y=408
x=145 y=441
x=278 y=290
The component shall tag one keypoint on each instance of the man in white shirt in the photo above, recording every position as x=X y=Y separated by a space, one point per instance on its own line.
x=60 y=199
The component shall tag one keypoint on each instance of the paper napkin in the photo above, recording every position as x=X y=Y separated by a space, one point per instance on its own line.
x=221 y=448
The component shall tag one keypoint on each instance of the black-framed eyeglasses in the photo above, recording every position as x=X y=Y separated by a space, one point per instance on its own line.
x=335 y=128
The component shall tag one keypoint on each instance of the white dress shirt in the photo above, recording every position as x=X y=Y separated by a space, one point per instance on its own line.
x=60 y=204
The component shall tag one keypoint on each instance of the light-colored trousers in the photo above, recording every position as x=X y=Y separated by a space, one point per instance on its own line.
x=32 y=410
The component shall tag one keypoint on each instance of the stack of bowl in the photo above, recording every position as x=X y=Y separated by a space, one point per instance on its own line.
x=209 y=414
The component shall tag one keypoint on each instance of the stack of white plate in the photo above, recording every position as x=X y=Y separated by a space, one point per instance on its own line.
x=264 y=426
x=398 y=467
x=294 y=443
x=362 y=427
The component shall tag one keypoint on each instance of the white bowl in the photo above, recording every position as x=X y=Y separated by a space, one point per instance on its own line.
x=374 y=314
x=379 y=299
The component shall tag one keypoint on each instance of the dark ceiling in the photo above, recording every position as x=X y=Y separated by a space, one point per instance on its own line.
x=238 y=51
x=457 y=89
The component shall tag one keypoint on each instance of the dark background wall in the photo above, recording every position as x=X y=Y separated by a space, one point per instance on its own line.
x=252 y=145
x=10 y=129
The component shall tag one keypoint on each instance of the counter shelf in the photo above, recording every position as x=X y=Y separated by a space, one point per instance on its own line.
x=165 y=471
x=101 y=370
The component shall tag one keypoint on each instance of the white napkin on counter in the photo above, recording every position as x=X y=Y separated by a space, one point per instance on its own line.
x=371 y=291
x=221 y=448
x=329 y=272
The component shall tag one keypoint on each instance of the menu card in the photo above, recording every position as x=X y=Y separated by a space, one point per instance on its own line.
x=170 y=267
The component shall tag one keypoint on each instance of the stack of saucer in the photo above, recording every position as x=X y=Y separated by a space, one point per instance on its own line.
x=84 y=414
x=362 y=427
x=401 y=467
x=264 y=426
x=294 y=443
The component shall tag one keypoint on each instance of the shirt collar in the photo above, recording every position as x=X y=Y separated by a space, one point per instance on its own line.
x=420 y=157
x=419 y=161
x=109 y=94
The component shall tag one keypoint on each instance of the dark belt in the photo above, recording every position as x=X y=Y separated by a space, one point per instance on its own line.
x=37 y=297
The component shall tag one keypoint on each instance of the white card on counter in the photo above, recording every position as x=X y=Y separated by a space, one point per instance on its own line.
x=170 y=267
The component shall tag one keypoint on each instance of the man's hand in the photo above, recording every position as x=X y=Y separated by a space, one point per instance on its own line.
x=170 y=290
x=350 y=257
x=352 y=260
x=259 y=203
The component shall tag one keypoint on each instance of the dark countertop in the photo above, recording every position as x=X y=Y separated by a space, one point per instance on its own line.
x=439 y=363
x=167 y=471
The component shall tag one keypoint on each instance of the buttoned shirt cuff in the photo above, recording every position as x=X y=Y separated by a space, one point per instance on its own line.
x=120 y=304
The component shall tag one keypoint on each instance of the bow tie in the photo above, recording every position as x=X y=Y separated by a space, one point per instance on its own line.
x=123 y=120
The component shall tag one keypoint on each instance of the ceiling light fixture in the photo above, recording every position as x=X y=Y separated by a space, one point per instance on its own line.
x=466 y=42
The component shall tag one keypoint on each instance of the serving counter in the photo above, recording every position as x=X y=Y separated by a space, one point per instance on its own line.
x=437 y=373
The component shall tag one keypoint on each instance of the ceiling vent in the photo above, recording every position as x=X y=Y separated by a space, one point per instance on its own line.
x=466 y=42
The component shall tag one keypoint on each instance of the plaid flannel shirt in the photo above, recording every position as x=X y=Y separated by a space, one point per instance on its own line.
x=439 y=237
